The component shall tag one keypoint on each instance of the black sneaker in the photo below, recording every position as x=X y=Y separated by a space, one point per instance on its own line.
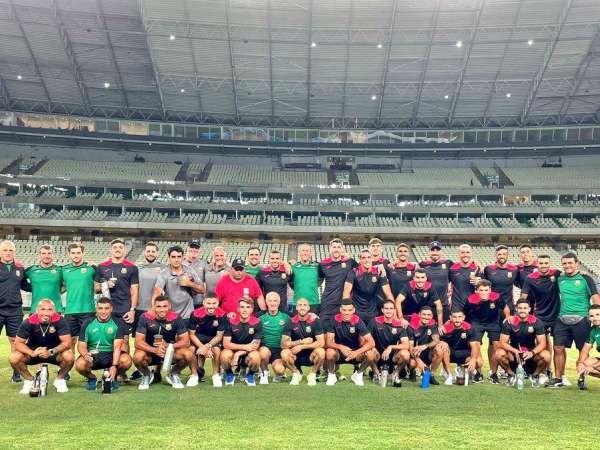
x=413 y=375
x=433 y=381
x=581 y=383
x=493 y=378
x=478 y=378
x=555 y=383
x=397 y=382
x=16 y=377
x=136 y=375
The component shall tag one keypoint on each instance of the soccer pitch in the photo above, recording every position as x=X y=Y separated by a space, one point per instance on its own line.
x=282 y=416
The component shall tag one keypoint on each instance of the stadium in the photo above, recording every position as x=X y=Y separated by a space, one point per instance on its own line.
x=228 y=125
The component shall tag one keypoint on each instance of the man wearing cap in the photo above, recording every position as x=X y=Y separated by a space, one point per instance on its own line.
x=253 y=261
x=437 y=268
x=179 y=283
x=274 y=277
x=401 y=271
x=216 y=269
x=305 y=279
x=236 y=285
x=193 y=259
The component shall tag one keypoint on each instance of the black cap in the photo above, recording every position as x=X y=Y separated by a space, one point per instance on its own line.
x=194 y=243
x=435 y=244
x=238 y=263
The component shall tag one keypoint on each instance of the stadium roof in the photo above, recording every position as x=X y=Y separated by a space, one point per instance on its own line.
x=346 y=63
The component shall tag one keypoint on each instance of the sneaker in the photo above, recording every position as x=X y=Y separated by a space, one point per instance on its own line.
x=397 y=381
x=264 y=377
x=535 y=381
x=412 y=375
x=250 y=379
x=61 y=385
x=27 y=385
x=478 y=378
x=115 y=385
x=581 y=383
x=502 y=373
x=511 y=380
x=493 y=378
x=136 y=375
x=433 y=381
x=229 y=379
x=174 y=380
x=448 y=380
x=555 y=383
x=375 y=378
x=566 y=381
x=331 y=379
x=216 y=380
x=67 y=376
x=192 y=381
x=91 y=384
x=357 y=378
x=311 y=379
x=145 y=382
x=296 y=378
x=278 y=378
x=16 y=377
x=543 y=379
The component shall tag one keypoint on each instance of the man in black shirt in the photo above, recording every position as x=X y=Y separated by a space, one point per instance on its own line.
x=274 y=277
x=426 y=348
x=400 y=272
x=503 y=276
x=464 y=276
x=463 y=347
x=523 y=340
x=540 y=288
x=303 y=344
x=527 y=266
x=437 y=268
x=43 y=338
x=415 y=295
x=348 y=341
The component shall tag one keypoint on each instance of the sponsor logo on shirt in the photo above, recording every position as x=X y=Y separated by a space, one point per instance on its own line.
x=509 y=274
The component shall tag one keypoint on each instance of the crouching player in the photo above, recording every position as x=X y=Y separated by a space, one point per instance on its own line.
x=241 y=339
x=585 y=364
x=426 y=349
x=303 y=344
x=391 y=343
x=348 y=341
x=464 y=348
x=523 y=339
x=273 y=323
x=43 y=338
x=155 y=331
x=206 y=326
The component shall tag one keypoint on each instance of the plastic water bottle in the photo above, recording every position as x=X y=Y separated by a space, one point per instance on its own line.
x=384 y=376
x=426 y=378
x=520 y=377
x=106 y=382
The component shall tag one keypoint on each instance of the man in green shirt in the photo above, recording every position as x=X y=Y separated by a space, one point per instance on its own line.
x=273 y=324
x=585 y=364
x=99 y=346
x=305 y=280
x=44 y=280
x=253 y=259
x=577 y=290
x=78 y=278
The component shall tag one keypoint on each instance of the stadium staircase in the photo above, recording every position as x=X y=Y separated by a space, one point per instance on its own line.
x=354 y=181
x=205 y=172
x=33 y=169
x=331 y=179
x=137 y=247
x=411 y=255
x=182 y=175
x=482 y=179
x=13 y=167
x=503 y=179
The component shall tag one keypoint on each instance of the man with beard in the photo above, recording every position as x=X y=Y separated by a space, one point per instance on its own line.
x=44 y=280
x=417 y=294
x=305 y=279
x=464 y=276
x=502 y=275
x=253 y=261
x=528 y=264
x=401 y=271
x=463 y=345
x=274 y=277
x=437 y=268
x=148 y=273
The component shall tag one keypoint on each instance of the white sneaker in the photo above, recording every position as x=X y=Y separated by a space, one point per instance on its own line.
x=357 y=378
x=566 y=381
x=296 y=378
x=27 y=385
x=448 y=380
x=216 y=380
x=192 y=381
x=61 y=385
x=542 y=379
x=175 y=381
x=145 y=382
x=331 y=379
x=264 y=377
x=311 y=378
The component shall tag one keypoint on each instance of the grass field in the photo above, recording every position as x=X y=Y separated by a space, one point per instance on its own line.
x=281 y=416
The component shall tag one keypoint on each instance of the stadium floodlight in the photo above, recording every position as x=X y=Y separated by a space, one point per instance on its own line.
x=182 y=90
x=313 y=44
x=459 y=44
x=19 y=77
x=106 y=84
x=530 y=42
x=508 y=95
x=373 y=97
x=446 y=96
x=379 y=46
x=172 y=37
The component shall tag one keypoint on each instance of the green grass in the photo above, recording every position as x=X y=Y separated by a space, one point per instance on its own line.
x=281 y=416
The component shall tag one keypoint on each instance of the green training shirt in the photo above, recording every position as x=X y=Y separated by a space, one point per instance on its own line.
x=273 y=327
x=305 y=281
x=79 y=282
x=253 y=271
x=575 y=293
x=100 y=336
x=44 y=282
x=594 y=338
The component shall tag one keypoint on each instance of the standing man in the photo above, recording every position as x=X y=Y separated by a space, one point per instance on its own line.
x=577 y=290
x=193 y=259
x=363 y=284
x=464 y=276
x=305 y=280
x=148 y=273
x=303 y=344
x=274 y=277
x=437 y=268
x=254 y=259
x=334 y=271
x=44 y=280
x=400 y=272
x=121 y=278
x=273 y=324
x=376 y=249
x=12 y=274
x=179 y=283
x=43 y=338
x=236 y=285
x=528 y=264
x=216 y=269
x=503 y=276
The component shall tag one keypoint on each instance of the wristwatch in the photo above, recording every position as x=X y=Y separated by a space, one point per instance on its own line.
x=51 y=351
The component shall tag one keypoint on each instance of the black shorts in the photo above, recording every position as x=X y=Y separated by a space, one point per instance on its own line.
x=425 y=356
x=37 y=360
x=548 y=326
x=390 y=361
x=342 y=359
x=76 y=320
x=102 y=360
x=459 y=356
x=303 y=358
x=366 y=317
x=564 y=335
x=127 y=327
x=492 y=330
x=316 y=308
x=136 y=319
x=529 y=366
x=275 y=354
x=12 y=324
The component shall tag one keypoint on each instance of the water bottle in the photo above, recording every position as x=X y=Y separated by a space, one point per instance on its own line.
x=466 y=372
x=106 y=382
x=520 y=377
x=44 y=380
x=384 y=376
x=426 y=378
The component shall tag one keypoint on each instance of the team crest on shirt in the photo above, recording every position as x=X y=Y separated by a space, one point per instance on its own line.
x=509 y=274
x=374 y=279
x=18 y=273
x=168 y=327
x=530 y=330
x=51 y=330
x=83 y=269
x=109 y=330
x=428 y=332
x=53 y=271
x=250 y=330
x=552 y=278
x=394 y=330
x=124 y=270
x=343 y=265
x=215 y=323
x=463 y=335
x=408 y=273
x=492 y=306
x=281 y=323
x=308 y=329
x=443 y=265
x=352 y=330
x=577 y=282
x=283 y=276
x=425 y=294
